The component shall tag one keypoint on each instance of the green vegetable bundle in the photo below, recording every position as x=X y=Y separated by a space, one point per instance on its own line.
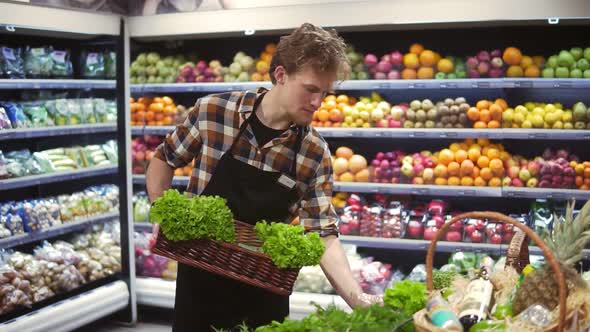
x=199 y=217
x=407 y=296
x=288 y=246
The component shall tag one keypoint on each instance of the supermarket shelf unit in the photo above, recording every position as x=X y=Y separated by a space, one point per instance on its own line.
x=430 y=190
x=158 y=292
x=115 y=294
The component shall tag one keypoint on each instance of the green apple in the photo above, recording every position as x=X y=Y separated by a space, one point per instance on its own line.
x=526 y=124
x=365 y=115
x=352 y=76
x=141 y=80
x=562 y=72
x=452 y=76
x=580 y=125
x=552 y=62
x=548 y=73
x=348 y=119
x=568 y=125
x=142 y=59
x=577 y=52
x=440 y=76
x=587 y=73
x=583 y=64
x=151 y=80
x=133 y=80
x=362 y=75
x=355 y=113
x=521 y=109
x=576 y=73
x=565 y=59
x=587 y=53
x=580 y=111
x=461 y=74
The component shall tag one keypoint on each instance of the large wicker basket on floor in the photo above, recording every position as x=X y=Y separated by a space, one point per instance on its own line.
x=230 y=260
x=517 y=257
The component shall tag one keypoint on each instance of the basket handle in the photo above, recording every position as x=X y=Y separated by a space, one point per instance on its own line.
x=530 y=233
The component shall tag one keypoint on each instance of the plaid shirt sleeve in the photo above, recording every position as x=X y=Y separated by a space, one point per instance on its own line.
x=317 y=212
x=180 y=146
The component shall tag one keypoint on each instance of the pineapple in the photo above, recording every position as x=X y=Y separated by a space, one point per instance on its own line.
x=566 y=241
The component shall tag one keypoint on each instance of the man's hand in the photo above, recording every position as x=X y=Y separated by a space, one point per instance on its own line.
x=367 y=300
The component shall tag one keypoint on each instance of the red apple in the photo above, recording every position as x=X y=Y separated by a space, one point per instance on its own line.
x=469 y=229
x=496 y=239
x=453 y=236
x=430 y=232
x=476 y=236
x=415 y=229
x=344 y=229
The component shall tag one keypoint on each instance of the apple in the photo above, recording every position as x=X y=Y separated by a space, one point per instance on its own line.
x=534 y=167
x=380 y=76
x=532 y=183
x=354 y=224
x=408 y=160
x=453 y=236
x=469 y=229
x=407 y=170
x=383 y=67
x=497 y=63
x=438 y=219
x=396 y=58
x=384 y=164
x=496 y=239
x=513 y=172
x=480 y=224
x=394 y=75
x=371 y=60
x=506 y=182
x=471 y=63
x=344 y=228
x=397 y=113
x=508 y=237
x=524 y=175
x=456 y=226
x=394 y=124
x=394 y=180
x=414 y=229
x=476 y=236
x=499 y=228
x=428 y=162
x=516 y=182
x=428 y=174
x=430 y=232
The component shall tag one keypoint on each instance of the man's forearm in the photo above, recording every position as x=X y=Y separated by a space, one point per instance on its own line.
x=158 y=178
x=336 y=268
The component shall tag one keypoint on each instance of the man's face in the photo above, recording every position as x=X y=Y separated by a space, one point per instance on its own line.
x=303 y=93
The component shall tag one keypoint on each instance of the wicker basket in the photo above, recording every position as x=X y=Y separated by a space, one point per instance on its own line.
x=517 y=257
x=230 y=260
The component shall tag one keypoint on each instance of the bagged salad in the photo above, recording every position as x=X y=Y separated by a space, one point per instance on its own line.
x=110 y=64
x=11 y=62
x=38 y=62
x=16 y=115
x=38 y=114
x=93 y=65
x=62 y=64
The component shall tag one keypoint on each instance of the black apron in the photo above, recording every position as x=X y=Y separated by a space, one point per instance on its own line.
x=205 y=300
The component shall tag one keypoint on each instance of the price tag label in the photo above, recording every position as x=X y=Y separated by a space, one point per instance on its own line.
x=59 y=56
x=92 y=58
x=8 y=53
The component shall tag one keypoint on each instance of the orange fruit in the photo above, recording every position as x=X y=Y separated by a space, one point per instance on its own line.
x=526 y=61
x=336 y=115
x=512 y=56
x=411 y=60
x=473 y=113
x=344 y=152
x=496 y=108
x=139 y=107
x=440 y=181
x=167 y=100
x=151 y=123
x=168 y=120
x=493 y=153
x=158 y=100
x=330 y=104
x=502 y=103
x=314 y=124
x=467 y=181
x=323 y=115
x=342 y=99
x=483 y=162
x=587 y=181
x=409 y=74
x=514 y=71
x=454 y=181
x=336 y=124
x=266 y=57
x=587 y=172
x=150 y=116
x=475 y=171
x=532 y=71
x=346 y=177
x=584 y=187
x=496 y=165
x=485 y=115
x=453 y=168
x=480 y=125
x=437 y=57
x=256 y=77
x=427 y=58
x=362 y=176
x=445 y=65
x=330 y=97
x=579 y=181
x=539 y=61
x=270 y=48
x=494 y=124
x=474 y=154
x=579 y=168
x=460 y=155
x=156 y=107
x=479 y=182
x=440 y=171
x=483 y=142
x=482 y=105
x=425 y=73
x=446 y=156
x=455 y=147
x=262 y=67
x=327 y=123
x=315 y=116
x=466 y=167
x=416 y=48
x=486 y=173
x=159 y=116
x=504 y=156
x=495 y=182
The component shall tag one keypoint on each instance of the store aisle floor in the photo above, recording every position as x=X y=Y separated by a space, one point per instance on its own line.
x=149 y=320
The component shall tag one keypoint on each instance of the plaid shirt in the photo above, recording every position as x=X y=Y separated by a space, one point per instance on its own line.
x=208 y=132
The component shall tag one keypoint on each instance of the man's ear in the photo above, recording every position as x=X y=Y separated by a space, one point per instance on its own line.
x=280 y=74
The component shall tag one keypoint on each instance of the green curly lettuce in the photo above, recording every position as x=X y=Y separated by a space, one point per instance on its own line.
x=407 y=296
x=199 y=217
x=288 y=246
x=443 y=279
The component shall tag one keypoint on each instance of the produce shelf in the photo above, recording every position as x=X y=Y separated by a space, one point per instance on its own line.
x=176 y=181
x=441 y=246
x=74 y=312
x=519 y=134
x=56 y=84
x=57 y=131
x=161 y=293
x=55 y=231
x=362 y=85
x=549 y=193
x=411 y=189
x=29 y=181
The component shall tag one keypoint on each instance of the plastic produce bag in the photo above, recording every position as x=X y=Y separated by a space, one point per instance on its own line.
x=62 y=64
x=58 y=109
x=87 y=111
x=100 y=110
x=38 y=114
x=5 y=122
x=11 y=62
x=13 y=222
x=71 y=207
x=16 y=115
x=111 y=151
x=38 y=62
x=15 y=291
x=110 y=64
x=312 y=279
x=141 y=208
x=74 y=111
x=93 y=65
x=418 y=274
x=3 y=170
x=111 y=111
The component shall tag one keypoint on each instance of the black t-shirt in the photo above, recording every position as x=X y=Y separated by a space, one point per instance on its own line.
x=263 y=133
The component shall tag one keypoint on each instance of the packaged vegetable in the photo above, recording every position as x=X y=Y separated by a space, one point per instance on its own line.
x=38 y=114
x=71 y=207
x=44 y=162
x=62 y=64
x=16 y=115
x=74 y=111
x=5 y=122
x=110 y=64
x=38 y=62
x=3 y=171
x=87 y=111
x=100 y=110
x=11 y=62
x=111 y=111
x=93 y=65
x=15 y=291
x=58 y=109
x=110 y=149
x=141 y=207
x=13 y=222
